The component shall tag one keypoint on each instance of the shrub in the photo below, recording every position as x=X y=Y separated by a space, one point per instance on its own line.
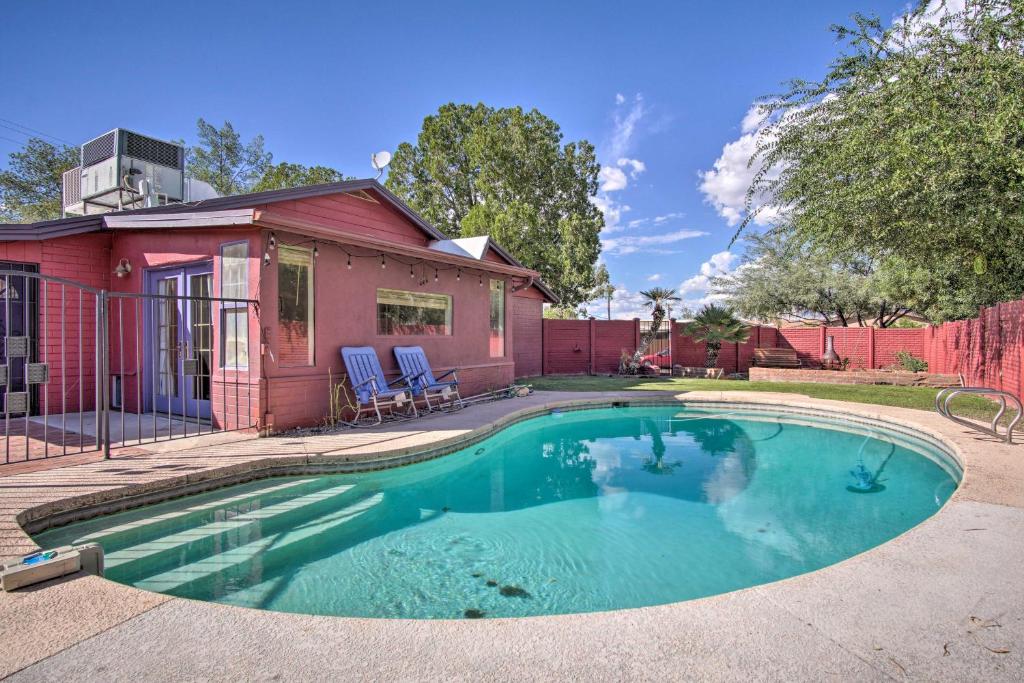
x=907 y=361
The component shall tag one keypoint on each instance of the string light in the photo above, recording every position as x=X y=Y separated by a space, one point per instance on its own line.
x=481 y=284
x=458 y=275
x=435 y=274
x=316 y=251
x=382 y=264
x=349 y=260
x=411 y=274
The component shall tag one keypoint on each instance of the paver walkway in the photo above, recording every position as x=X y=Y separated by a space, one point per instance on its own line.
x=944 y=601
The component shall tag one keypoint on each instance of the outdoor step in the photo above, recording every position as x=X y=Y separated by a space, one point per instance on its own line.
x=184 y=538
x=212 y=505
x=208 y=566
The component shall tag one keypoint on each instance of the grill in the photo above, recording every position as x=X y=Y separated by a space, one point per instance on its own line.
x=154 y=151
x=103 y=147
x=71 y=187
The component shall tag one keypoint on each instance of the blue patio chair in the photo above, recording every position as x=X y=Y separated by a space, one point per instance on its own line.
x=413 y=363
x=372 y=389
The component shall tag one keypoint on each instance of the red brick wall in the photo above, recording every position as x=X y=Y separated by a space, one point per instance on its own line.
x=986 y=350
x=80 y=258
x=568 y=343
x=567 y=347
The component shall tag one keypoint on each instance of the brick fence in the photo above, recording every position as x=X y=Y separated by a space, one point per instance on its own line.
x=987 y=350
x=576 y=347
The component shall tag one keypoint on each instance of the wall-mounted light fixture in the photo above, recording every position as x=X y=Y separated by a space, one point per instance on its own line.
x=123 y=269
x=272 y=243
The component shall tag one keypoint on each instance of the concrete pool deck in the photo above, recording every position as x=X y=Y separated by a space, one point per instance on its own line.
x=944 y=601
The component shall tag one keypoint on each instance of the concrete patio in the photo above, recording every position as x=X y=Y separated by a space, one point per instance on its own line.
x=944 y=601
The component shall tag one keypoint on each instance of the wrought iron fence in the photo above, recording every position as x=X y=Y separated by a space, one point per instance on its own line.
x=85 y=369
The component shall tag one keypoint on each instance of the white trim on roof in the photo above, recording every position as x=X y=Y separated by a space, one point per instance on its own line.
x=468 y=247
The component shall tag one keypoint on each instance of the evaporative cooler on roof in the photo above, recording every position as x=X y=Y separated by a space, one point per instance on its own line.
x=124 y=170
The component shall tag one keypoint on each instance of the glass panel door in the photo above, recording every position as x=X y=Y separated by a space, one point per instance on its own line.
x=167 y=357
x=182 y=342
x=200 y=316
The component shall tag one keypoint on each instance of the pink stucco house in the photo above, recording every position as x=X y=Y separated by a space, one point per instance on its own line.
x=248 y=299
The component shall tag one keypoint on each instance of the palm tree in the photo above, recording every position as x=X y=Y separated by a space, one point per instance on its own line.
x=713 y=326
x=656 y=299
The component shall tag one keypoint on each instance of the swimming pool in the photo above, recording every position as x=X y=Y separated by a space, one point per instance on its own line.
x=569 y=512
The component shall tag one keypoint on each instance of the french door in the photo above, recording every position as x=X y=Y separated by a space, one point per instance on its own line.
x=181 y=345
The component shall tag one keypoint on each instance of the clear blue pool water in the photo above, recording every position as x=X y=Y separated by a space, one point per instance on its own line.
x=570 y=512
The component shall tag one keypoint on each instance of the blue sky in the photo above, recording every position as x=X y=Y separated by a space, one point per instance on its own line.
x=663 y=90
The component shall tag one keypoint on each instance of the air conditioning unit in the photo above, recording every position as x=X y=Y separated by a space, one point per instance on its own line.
x=125 y=170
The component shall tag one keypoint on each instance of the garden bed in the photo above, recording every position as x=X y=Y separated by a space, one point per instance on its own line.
x=895 y=378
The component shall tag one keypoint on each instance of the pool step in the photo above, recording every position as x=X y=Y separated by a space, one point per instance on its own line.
x=202 y=507
x=183 y=538
x=208 y=566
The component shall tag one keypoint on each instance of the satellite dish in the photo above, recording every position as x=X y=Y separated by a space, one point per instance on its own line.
x=380 y=160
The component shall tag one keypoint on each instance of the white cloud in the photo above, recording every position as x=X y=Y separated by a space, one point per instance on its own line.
x=694 y=290
x=624 y=125
x=654 y=278
x=612 y=179
x=725 y=186
x=753 y=119
x=653 y=244
x=612 y=211
x=658 y=220
x=613 y=176
x=636 y=167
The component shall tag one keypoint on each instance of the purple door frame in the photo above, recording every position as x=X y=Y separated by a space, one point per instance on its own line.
x=182 y=401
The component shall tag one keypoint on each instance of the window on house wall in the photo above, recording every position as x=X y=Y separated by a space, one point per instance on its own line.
x=295 y=306
x=497 y=318
x=413 y=313
x=234 y=318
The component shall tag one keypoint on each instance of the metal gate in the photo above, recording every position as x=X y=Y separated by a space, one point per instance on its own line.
x=659 y=353
x=84 y=369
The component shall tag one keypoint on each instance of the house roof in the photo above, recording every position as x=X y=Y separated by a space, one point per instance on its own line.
x=80 y=224
x=240 y=210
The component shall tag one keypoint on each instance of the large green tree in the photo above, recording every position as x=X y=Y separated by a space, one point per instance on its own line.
x=911 y=152
x=285 y=175
x=224 y=161
x=30 y=188
x=505 y=172
x=782 y=277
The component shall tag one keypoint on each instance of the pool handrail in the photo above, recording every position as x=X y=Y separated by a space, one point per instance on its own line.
x=945 y=396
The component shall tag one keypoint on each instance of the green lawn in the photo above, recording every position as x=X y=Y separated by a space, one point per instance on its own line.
x=920 y=398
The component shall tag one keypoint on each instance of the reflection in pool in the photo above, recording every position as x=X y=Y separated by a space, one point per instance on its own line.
x=569 y=512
